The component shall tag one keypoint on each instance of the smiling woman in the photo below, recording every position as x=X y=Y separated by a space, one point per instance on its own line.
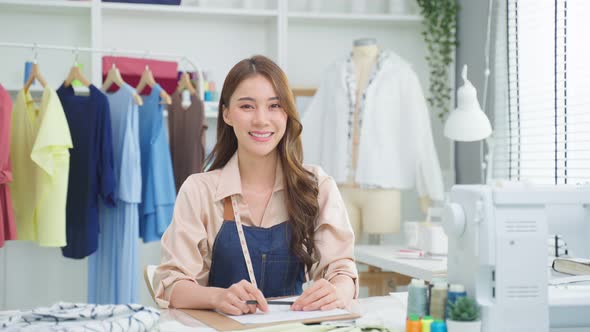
x=256 y=115
x=258 y=222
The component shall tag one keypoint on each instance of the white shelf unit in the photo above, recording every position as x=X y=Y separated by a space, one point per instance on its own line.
x=191 y=11
x=216 y=36
x=48 y=6
x=343 y=17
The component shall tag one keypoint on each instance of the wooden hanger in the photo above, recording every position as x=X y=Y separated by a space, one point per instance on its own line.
x=185 y=84
x=147 y=78
x=114 y=76
x=35 y=75
x=76 y=74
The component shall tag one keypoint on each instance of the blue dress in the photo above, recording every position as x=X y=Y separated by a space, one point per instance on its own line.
x=159 y=191
x=113 y=269
x=91 y=168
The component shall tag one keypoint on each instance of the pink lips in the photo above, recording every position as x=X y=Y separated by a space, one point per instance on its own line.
x=261 y=136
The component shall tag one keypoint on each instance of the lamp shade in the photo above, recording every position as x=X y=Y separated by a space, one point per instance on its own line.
x=468 y=122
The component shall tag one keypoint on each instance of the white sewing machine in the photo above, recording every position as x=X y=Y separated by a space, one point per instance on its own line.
x=498 y=250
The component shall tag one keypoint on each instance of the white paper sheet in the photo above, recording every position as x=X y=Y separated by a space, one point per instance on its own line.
x=283 y=313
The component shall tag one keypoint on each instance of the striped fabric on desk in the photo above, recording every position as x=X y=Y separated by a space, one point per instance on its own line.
x=82 y=317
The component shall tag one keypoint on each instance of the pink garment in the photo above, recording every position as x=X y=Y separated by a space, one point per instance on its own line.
x=7 y=225
x=165 y=72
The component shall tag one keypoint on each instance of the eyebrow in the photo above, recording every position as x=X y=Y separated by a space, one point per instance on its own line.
x=254 y=100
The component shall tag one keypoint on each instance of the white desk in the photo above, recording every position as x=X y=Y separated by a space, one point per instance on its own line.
x=386 y=271
x=388 y=311
x=383 y=257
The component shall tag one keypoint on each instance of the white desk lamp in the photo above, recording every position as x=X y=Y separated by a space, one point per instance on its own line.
x=468 y=122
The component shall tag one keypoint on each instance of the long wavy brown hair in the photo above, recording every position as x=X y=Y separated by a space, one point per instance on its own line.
x=301 y=185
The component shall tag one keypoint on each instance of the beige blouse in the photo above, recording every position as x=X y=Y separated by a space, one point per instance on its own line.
x=198 y=214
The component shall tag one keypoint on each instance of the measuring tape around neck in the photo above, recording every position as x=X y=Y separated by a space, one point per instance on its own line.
x=243 y=244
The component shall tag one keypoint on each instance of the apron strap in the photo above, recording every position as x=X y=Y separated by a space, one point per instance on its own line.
x=228 y=211
x=230 y=206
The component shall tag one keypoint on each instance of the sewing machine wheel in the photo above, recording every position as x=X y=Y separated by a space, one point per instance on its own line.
x=453 y=220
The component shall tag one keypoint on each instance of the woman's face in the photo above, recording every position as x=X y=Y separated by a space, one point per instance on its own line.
x=256 y=116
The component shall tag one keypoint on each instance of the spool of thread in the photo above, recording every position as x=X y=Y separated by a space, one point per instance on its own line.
x=434 y=281
x=413 y=324
x=438 y=326
x=455 y=291
x=438 y=280
x=426 y=322
x=438 y=300
x=417 y=298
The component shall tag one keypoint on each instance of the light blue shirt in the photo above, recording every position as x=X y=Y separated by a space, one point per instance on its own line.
x=159 y=191
x=113 y=268
x=126 y=150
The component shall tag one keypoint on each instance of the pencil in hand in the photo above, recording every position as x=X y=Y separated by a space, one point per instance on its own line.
x=275 y=302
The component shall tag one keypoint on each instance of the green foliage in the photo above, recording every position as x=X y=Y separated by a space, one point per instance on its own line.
x=440 y=25
x=464 y=309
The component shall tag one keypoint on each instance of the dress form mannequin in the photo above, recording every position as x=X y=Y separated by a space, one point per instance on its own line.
x=374 y=211
x=364 y=58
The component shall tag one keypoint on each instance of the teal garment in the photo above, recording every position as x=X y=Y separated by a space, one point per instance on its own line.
x=114 y=267
x=158 y=187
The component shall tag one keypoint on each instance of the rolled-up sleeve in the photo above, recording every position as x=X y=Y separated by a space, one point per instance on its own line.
x=184 y=244
x=334 y=238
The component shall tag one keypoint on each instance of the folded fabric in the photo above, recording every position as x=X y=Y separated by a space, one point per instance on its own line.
x=82 y=317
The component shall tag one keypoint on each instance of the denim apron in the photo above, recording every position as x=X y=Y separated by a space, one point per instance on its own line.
x=277 y=271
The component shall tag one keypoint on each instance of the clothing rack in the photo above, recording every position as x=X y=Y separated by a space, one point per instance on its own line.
x=75 y=49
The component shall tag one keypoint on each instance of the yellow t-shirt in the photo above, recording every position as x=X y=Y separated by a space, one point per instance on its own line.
x=39 y=149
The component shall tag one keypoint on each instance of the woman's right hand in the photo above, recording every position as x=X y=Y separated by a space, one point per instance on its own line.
x=232 y=300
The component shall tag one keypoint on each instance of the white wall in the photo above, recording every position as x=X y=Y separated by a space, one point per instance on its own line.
x=471 y=35
x=36 y=26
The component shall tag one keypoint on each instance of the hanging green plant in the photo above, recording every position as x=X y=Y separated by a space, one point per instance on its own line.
x=440 y=25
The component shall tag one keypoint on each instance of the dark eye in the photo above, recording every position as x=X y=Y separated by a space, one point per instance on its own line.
x=275 y=106
x=247 y=106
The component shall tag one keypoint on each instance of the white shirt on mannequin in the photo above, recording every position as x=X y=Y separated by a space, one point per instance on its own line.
x=396 y=148
x=364 y=59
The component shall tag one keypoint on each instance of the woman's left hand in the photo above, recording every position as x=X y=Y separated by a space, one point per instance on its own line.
x=322 y=295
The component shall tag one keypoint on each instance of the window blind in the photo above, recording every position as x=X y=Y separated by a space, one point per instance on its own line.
x=542 y=106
